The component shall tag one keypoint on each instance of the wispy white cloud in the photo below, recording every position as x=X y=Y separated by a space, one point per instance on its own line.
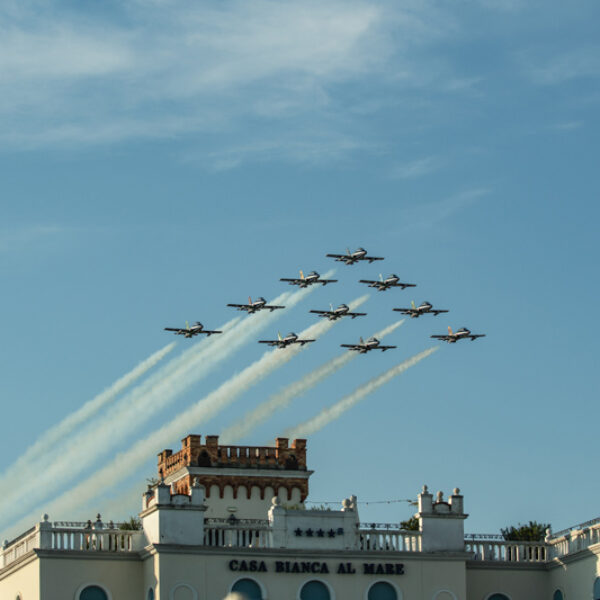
x=416 y=168
x=577 y=63
x=164 y=69
x=18 y=238
x=430 y=214
x=568 y=125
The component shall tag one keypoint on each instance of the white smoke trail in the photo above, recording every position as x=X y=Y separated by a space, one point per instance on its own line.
x=331 y=413
x=47 y=442
x=63 y=461
x=281 y=399
x=132 y=459
x=134 y=409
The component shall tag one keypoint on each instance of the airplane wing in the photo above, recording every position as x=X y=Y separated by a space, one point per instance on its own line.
x=436 y=312
x=291 y=280
x=404 y=311
x=241 y=306
x=339 y=256
x=326 y=281
x=302 y=342
x=351 y=346
x=322 y=312
x=176 y=329
x=372 y=258
x=273 y=307
x=441 y=337
x=208 y=332
x=402 y=285
x=384 y=348
x=270 y=342
x=476 y=335
x=353 y=314
x=368 y=281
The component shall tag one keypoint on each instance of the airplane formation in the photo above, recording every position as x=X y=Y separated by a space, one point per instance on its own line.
x=343 y=310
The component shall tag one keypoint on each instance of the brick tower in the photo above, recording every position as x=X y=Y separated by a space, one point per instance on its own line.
x=238 y=480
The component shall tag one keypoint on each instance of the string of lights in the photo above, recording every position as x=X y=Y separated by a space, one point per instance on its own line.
x=367 y=502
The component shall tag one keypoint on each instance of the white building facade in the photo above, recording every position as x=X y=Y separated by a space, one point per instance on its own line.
x=232 y=519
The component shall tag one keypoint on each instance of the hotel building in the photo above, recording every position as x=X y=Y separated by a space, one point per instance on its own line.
x=232 y=519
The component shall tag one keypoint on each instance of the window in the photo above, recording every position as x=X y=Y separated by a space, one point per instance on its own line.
x=150 y=594
x=314 y=590
x=498 y=597
x=93 y=592
x=249 y=589
x=382 y=591
x=558 y=595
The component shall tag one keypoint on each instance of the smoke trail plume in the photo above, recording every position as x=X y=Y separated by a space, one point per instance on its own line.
x=281 y=399
x=137 y=407
x=132 y=410
x=331 y=413
x=47 y=441
x=132 y=459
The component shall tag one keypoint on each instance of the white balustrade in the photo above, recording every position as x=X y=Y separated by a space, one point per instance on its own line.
x=389 y=540
x=91 y=540
x=507 y=551
x=236 y=536
x=66 y=538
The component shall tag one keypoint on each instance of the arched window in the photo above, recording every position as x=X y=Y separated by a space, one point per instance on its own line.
x=150 y=595
x=597 y=589
x=382 y=591
x=249 y=589
x=93 y=592
x=498 y=597
x=558 y=595
x=314 y=590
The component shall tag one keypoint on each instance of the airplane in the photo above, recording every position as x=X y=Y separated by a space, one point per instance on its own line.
x=305 y=281
x=189 y=332
x=417 y=311
x=351 y=258
x=284 y=342
x=460 y=334
x=385 y=284
x=258 y=304
x=341 y=311
x=363 y=347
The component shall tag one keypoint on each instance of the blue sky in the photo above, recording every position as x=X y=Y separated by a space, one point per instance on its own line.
x=160 y=159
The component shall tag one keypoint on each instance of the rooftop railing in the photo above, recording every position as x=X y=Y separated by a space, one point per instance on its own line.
x=79 y=536
x=256 y=533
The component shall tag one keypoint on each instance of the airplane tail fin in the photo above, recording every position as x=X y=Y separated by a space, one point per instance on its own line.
x=331 y=307
x=301 y=274
x=412 y=303
x=249 y=299
x=361 y=340
x=449 y=330
x=279 y=335
x=187 y=324
x=380 y=277
x=348 y=251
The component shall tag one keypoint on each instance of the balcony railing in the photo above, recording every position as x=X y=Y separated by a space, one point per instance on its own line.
x=256 y=533
x=389 y=540
x=237 y=536
x=507 y=551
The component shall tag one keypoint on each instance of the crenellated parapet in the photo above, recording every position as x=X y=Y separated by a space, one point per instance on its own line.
x=237 y=480
x=194 y=453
